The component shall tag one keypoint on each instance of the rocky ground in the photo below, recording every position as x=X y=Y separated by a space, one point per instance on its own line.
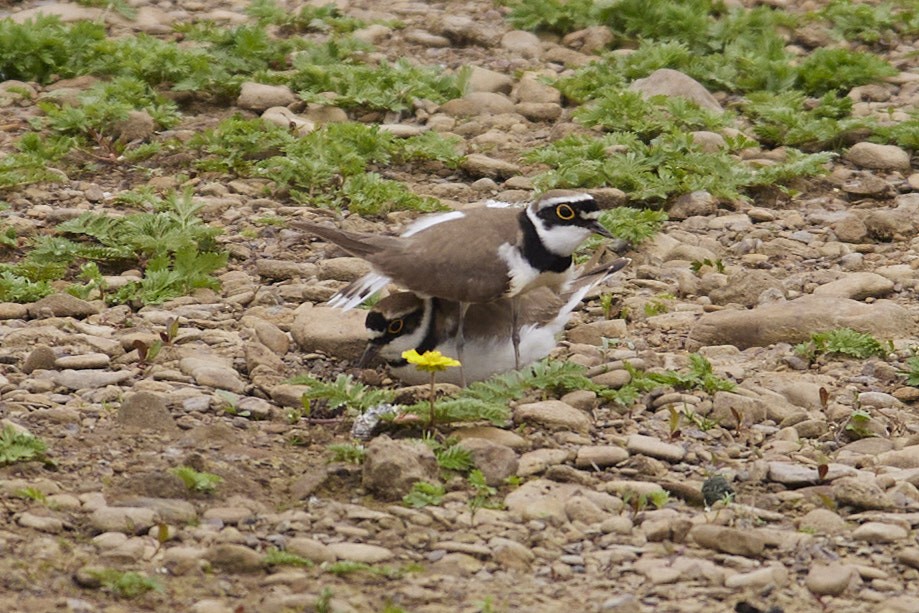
x=822 y=519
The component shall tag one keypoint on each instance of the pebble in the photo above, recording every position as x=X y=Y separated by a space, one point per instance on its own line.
x=728 y=540
x=554 y=415
x=655 y=448
x=878 y=532
x=360 y=552
x=600 y=456
x=829 y=579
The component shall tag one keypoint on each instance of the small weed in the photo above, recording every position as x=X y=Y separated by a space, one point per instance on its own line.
x=698 y=265
x=424 y=494
x=347 y=567
x=343 y=392
x=659 y=498
x=33 y=494
x=912 y=372
x=127 y=584
x=655 y=307
x=195 y=481
x=450 y=456
x=857 y=424
x=347 y=452
x=635 y=502
x=843 y=341
x=483 y=495
x=277 y=557
x=16 y=446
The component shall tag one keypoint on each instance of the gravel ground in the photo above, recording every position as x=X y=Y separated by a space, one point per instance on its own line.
x=843 y=249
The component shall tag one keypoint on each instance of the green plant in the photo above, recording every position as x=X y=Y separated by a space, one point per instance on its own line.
x=347 y=567
x=659 y=498
x=857 y=424
x=33 y=494
x=834 y=69
x=450 y=456
x=347 y=452
x=126 y=584
x=392 y=87
x=698 y=265
x=277 y=557
x=343 y=392
x=789 y=118
x=195 y=481
x=16 y=446
x=483 y=495
x=424 y=494
x=912 y=372
x=843 y=341
x=119 y=6
x=308 y=18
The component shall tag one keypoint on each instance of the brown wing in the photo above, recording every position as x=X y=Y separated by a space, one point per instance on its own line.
x=456 y=259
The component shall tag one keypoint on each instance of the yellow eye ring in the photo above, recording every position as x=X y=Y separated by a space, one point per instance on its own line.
x=564 y=212
x=395 y=326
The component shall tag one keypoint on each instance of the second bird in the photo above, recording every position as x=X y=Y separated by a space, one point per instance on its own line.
x=475 y=256
x=403 y=321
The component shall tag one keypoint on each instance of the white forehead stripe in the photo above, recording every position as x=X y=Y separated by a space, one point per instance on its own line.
x=563 y=199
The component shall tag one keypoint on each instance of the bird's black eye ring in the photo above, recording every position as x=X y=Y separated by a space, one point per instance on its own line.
x=395 y=326
x=564 y=212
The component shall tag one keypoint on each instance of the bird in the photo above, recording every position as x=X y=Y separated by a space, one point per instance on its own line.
x=403 y=321
x=474 y=256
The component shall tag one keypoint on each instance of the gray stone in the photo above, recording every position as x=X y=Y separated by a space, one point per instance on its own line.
x=83 y=361
x=691 y=204
x=478 y=103
x=589 y=40
x=861 y=492
x=822 y=521
x=538 y=460
x=594 y=332
x=496 y=462
x=584 y=510
x=796 y=475
x=600 y=456
x=332 y=331
x=526 y=44
x=136 y=126
x=40 y=358
x=796 y=320
x=511 y=554
x=343 y=269
x=233 y=558
x=857 y=286
x=829 y=579
x=762 y=578
x=541 y=499
x=878 y=157
x=668 y=82
x=655 y=448
x=878 y=532
x=90 y=379
x=259 y=96
x=484 y=80
x=130 y=520
x=286 y=118
x=61 y=305
x=908 y=457
x=554 y=415
x=493 y=434
x=310 y=549
x=146 y=411
x=480 y=165
x=746 y=288
x=531 y=88
x=360 y=552
x=42 y=523
x=392 y=467
x=728 y=540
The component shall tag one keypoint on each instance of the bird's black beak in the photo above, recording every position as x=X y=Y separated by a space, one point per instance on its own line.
x=370 y=352
x=598 y=228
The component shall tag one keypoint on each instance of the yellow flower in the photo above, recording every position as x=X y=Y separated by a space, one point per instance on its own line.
x=429 y=361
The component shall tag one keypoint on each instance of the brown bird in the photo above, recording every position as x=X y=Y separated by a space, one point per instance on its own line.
x=474 y=256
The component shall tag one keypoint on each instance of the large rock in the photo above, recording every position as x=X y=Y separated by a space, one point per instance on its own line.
x=796 y=320
x=392 y=467
x=146 y=411
x=332 y=331
x=61 y=305
x=878 y=157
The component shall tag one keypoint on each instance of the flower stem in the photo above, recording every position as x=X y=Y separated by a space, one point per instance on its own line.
x=431 y=418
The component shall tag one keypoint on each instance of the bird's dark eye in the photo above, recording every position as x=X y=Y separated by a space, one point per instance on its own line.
x=564 y=212
x=395 y=326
